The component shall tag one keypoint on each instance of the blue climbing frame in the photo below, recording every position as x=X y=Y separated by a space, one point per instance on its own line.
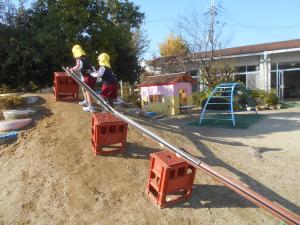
x=221 y=89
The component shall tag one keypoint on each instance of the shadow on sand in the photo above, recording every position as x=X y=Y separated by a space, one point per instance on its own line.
x=212 y=193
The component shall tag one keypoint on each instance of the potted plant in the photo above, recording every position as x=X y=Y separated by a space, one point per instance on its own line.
x=279 y=106
x=249 y=108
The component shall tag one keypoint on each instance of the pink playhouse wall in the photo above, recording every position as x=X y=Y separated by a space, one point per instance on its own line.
x=183 y=85
x=165 y=90
x=170 y=104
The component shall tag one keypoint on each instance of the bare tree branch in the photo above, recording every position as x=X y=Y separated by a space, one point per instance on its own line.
x=203 y=37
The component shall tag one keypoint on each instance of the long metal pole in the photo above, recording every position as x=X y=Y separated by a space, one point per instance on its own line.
x=231 y=104
x=282 y=86
x=259 y=200
x=277 y=82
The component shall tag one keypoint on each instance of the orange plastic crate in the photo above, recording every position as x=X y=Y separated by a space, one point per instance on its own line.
x=108 y=134
x=170 y=179
x=64 y=87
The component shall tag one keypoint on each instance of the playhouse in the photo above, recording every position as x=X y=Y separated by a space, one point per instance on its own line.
x=166 y=93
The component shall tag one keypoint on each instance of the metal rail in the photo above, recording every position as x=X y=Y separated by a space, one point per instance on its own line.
x=259 y=200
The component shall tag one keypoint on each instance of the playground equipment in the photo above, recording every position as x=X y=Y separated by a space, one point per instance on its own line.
x=221 y=100
x=18 y=113
x=259 y=200
x=65 y=88
x=29 y=100
x=170 y=179
x=108 y=134
x=8 y=125
x=8 y=136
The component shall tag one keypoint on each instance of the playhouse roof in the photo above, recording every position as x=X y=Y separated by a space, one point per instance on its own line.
x=166 y=79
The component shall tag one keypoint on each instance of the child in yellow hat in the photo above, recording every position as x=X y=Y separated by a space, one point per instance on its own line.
x=83 y=68
x=109 y=89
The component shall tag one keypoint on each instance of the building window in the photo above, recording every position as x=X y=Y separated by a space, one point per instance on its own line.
x=244 y=69
x=282 y=66
x=240 y=78
x=252 y=68
x=193 y=72
x=240 y=69
x=156 y=98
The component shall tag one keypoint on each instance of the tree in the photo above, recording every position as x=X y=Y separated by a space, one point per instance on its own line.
x=172 y=49
x=173 y=46
x=41 y=37
x=205 y=42
x=221 y=71
x=202 y=36
x=7 y=10
x=140 y=42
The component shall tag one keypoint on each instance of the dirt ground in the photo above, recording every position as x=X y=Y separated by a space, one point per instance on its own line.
x=50 y=176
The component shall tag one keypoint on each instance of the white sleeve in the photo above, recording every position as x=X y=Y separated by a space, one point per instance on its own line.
x=98 y=73
x=78 y=65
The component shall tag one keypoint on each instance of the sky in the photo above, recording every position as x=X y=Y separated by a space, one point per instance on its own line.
x=246 y=21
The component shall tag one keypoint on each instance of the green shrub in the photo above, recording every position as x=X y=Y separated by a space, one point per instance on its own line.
x=4 y=89
x=198 y=97
x=258 y=96
x=11 y=102
x=264 y=97
x=271 y=98
x=130 y=95
x=32 y=86
x=133 y=98
x=241 y=98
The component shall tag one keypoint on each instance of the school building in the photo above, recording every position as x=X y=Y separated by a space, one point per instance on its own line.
x=265 y=66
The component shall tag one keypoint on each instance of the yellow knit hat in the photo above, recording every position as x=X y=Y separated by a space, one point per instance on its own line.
x=104 y=60
x=77 y=51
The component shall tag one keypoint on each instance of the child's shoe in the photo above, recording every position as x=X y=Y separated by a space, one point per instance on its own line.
x=89 y=109
x=92 y=109
x=83 y=103
x=86 y=108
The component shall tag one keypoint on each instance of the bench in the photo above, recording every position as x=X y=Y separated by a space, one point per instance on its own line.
x=185 y=109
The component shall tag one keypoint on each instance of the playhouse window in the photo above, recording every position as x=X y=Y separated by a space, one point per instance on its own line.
x=155 y=98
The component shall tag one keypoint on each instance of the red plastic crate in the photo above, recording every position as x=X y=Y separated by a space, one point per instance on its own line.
x=64 y=87
x=170 y=179
x=108 y=134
